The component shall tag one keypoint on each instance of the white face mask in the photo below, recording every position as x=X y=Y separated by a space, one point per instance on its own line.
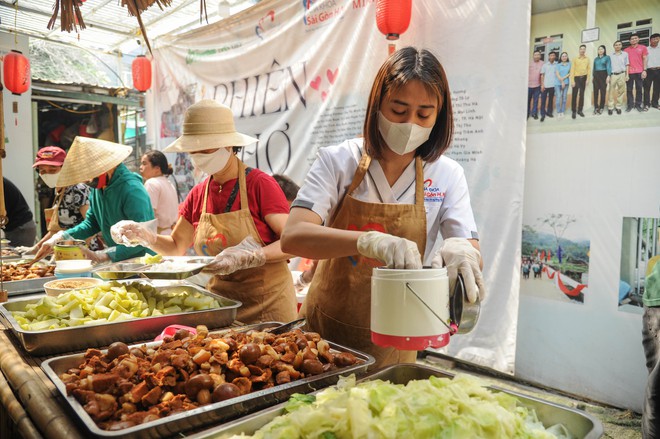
x=211 y=163
x=402 y=137
x=50 y=179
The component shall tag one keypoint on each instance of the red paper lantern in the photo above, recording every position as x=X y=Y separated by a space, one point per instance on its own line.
x=393 y=17
x=16 y=71
x=141 y=69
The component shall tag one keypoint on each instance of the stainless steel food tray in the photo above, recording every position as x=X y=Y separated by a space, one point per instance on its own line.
x=80 y=337
x=580 y=424
x=27 y=286
x=191 y=265
x=13 y=256
x=208 y=414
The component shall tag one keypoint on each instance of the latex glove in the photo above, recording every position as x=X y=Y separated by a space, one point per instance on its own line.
x=459 y=256
x=47 y=246
x=247 y=254
x=132 y=234
x=97 y=257
x=395 y=252
x=26 y=250
x=300 y=282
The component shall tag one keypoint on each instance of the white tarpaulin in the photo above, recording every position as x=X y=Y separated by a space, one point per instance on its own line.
x=297 y=76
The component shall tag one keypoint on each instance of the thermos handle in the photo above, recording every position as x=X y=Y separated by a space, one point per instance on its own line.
x=456 y=301
x=462 y=314
x=452 y=329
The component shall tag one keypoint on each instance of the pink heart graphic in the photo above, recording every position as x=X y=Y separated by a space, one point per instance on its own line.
x=332 y=75
x=324 y=95
x=315 y=83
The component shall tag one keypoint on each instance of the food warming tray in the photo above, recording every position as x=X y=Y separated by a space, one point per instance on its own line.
x=208 y=414
x=25 y=286
x=80 y=337
x=580 y=424
x=10 y=254
x=181 y=267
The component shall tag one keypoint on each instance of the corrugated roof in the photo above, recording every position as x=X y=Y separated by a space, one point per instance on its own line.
x=109 y=25
x=64 y=64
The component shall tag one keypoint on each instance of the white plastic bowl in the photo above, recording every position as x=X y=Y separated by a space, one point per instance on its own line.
x=59 y=286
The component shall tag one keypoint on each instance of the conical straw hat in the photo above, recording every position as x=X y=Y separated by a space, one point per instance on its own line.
x=208 y=124
x=88 y=158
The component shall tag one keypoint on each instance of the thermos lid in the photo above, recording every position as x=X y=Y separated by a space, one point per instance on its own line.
x=461 y=312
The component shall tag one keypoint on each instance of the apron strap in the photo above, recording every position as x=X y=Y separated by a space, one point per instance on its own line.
x=360 y=172
x=206 y=193
x=234 y=192
x=59 y=198
x=363 y=167
x=419 y=182
x=242 y=186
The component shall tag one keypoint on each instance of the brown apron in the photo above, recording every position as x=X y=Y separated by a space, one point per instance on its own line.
x=338 y=303
x=266 y=292
x=52 y=215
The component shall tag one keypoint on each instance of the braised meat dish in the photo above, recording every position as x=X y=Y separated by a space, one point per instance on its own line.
x=126 y=386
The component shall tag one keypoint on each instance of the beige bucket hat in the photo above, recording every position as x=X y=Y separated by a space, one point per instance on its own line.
x=88 y=158
x=206 y=125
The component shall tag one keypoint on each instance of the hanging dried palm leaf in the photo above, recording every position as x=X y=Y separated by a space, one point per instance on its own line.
x=70 y=17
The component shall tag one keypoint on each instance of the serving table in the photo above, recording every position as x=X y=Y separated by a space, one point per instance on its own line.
x=30 y=405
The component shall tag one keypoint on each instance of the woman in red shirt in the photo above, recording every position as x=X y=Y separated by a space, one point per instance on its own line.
x=236 y=214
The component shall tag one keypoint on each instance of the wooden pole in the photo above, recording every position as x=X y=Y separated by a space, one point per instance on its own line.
x=3 y=210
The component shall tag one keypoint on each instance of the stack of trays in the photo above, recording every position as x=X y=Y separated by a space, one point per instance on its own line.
x=170 y=267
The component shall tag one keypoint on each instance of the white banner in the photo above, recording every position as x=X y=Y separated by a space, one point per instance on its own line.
x=297 y=76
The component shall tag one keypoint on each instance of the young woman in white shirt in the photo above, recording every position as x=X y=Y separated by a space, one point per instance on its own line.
x=154 y=169
x=389 y=198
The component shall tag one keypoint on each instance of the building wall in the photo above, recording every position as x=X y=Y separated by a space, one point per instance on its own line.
x=601 y=172
x=17 y=166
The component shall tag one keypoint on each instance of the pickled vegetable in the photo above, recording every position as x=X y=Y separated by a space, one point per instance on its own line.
x=109 y=302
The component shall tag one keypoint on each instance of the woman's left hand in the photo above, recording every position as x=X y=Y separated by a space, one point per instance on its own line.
x=247 y=254
x=98 y=257
x=460 y=256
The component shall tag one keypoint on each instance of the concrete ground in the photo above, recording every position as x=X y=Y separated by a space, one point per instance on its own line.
x=617 y=423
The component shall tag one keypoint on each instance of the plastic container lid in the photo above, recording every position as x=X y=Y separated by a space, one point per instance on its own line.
x=73 y=266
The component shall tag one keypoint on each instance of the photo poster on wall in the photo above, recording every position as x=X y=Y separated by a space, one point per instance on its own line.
x=599 y=170
x=297 y=76
x=555 y=256
x=640 y=251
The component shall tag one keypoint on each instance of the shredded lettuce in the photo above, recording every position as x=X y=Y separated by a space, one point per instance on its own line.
x=439 y=408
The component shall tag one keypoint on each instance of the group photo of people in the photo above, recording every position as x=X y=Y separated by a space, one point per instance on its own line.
x=622 y=77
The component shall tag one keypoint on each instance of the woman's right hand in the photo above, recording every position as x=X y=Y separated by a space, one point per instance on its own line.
x=132 y=234
x=393 y=251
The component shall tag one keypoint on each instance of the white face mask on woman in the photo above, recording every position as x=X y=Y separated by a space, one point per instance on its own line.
x=402 y=138
x=50 y=179
x=211 y=163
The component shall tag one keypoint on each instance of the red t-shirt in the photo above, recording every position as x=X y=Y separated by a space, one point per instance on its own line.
x=265 y=197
